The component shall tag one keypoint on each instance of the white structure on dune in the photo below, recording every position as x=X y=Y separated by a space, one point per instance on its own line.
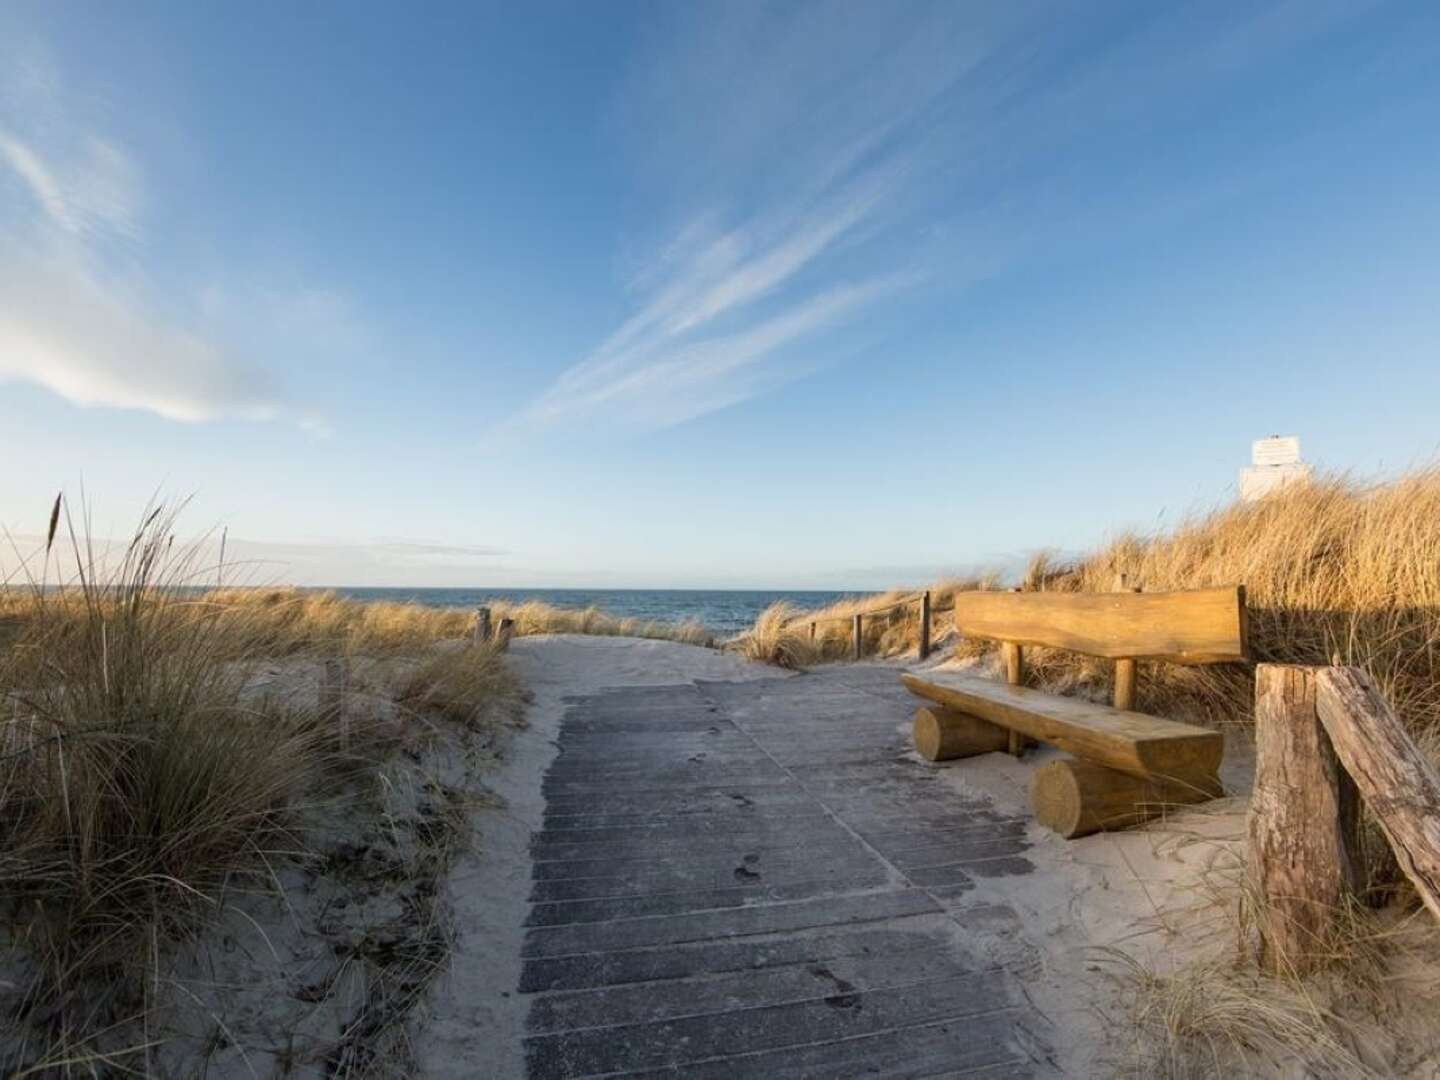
x=1274 y=463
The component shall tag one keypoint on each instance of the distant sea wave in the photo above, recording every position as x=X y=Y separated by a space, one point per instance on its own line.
x=724 y=611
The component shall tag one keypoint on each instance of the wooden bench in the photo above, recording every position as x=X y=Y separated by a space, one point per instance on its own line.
x=1128 y=766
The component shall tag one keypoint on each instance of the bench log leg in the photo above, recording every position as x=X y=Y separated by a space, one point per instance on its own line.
x=1077 y=798
x=943 y=734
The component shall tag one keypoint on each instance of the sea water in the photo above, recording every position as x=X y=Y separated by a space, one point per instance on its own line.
x=722 y=611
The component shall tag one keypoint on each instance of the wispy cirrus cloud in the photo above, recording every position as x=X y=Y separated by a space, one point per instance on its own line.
x=738 y=300
x=810 y=164
x=77 y=316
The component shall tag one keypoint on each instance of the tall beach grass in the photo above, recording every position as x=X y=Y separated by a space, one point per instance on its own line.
x=144 y=776
x=1335 y=568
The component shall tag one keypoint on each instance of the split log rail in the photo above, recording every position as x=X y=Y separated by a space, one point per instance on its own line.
x=1326 y=740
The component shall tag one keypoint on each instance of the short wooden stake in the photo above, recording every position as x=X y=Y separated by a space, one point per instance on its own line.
x=1302 y=826
x=856 y=634
x=812 y=629
x=944 y=734
x=506 y=631
x=482 y=625
x=334 y=685
x=924 y=649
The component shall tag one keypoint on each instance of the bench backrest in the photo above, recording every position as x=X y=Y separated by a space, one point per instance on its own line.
x=1202 y=626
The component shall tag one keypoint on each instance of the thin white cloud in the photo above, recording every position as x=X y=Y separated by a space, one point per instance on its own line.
x=85 y=340
x=670 y=386
x=724 y=311
x=787 y=151
x=42 y=184
x=76 y=315
x=666 y=363
x=97 y=190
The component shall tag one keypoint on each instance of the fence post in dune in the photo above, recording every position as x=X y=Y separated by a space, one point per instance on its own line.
x=812 y=630
x=1398 y=783
x=856 y=633
x=1302 y=827
x=334 y=684
x=482 y=625
x=924 y=647
x=506 y=631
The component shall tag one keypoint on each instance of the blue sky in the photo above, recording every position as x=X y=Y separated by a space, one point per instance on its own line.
x=727 y=294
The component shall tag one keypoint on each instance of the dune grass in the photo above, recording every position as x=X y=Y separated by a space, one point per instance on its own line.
x=1334 y=568
x=782 y=634
x=144 y=777
x=537 y=617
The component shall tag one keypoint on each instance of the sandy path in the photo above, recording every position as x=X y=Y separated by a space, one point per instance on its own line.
x=730 y=872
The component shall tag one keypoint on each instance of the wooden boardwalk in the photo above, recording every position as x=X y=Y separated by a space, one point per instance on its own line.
x=730 y=885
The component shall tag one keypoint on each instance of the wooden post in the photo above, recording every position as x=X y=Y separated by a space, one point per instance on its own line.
x=924 y=648
x=1124 y=697
x=856 y=634
x=812 y=629
x=1014 y=675
x=507 y=628
x=482 y=625
x=1399 y=784
x=334 y=684
x=1302 y=826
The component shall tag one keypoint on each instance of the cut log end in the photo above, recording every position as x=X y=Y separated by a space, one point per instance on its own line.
x=1077 y=798
x=943 y=734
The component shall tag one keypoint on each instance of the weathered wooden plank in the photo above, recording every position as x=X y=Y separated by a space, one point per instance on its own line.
x=1144 y=746
x=1398 y=783
x=777 y=985
x=676 y=1042
x=1203 y=626
x=1077 y=798
x=727 y=923
x=931 y=931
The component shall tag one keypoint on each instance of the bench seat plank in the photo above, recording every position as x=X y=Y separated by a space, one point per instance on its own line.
x=1134 y=743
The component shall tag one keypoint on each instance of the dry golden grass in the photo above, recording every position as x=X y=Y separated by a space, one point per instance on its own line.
x=468 y=684
x=1368 y=1007
x=891 y=626
x=777 y=639
x=142 y=777
x=1333 y=568
x=535 y=617
x=286 y=621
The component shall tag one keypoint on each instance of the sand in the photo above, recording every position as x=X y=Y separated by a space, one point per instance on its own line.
x=477 y=1021
x=1089 y=906
x=1137 y=893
